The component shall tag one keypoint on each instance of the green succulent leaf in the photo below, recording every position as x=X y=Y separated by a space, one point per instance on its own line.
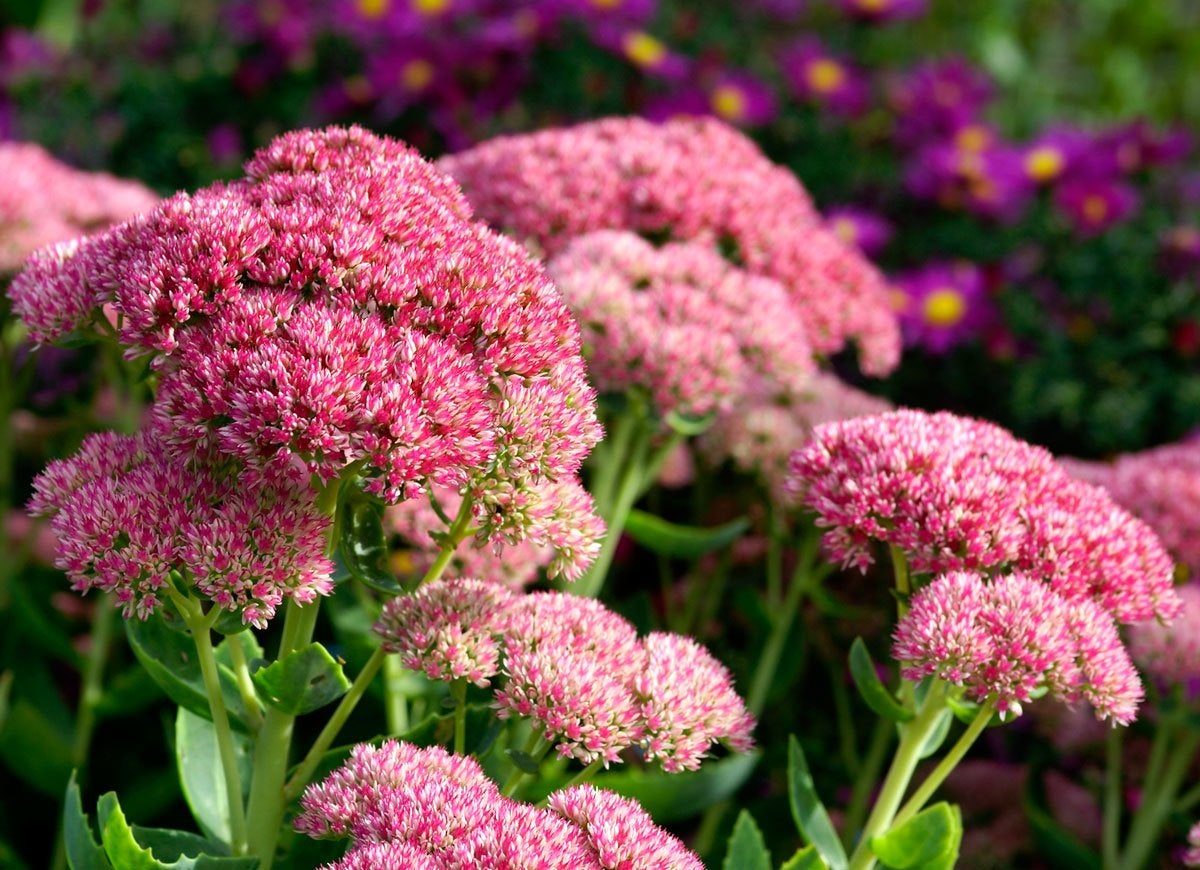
x=928 y=841
x=746 y=849
x=679 y=541
x=810 y=815
x=873 y=692
x=306 y=680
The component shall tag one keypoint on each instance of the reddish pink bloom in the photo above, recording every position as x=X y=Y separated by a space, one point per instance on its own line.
x=1160 y=486
x=959 y=494
x=1170 y=654
x=379 y=856
x=680 y=323
x=449 y=629
x=622 y=833
x=689 y=703
x=686 y=179
x=44 y=201
x=1006 y=639
x=127 y=513
x=569 y=664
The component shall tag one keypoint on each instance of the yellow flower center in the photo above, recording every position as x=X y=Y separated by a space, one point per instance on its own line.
x=846 y=230
x=606 y=4
x=729 y=102
x=643 y=49
x=973 y=138
x=1044 y=163
x=1094 y=208
x=944 y=307
x=372 y=8
x=825 y=75
x=872 y=5
x=430 y=7
x=416 y=75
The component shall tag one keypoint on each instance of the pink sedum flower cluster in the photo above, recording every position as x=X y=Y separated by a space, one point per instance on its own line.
x=1170 y=654
x=956 y=494
x=578 y=670
x=43 y=201
x=680 y=322
x=1161 y=486
x=338 y=313
x=1191 y=857
x=685 y=179
x=1006 y=638
x=129 y=513
x=410 y=807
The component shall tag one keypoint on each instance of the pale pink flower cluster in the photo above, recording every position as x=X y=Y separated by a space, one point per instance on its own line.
x=574 y=667
x=1191 y=858
x=410 y=807
x=336 y=312
x=561 y=534
x=129 y=513
x=960 y=494
x=1006 y=638
x=759 y=435
x=680 y=322
x=1160 y=486
x=1170 y=654
x=685 y=179
x=43 y=201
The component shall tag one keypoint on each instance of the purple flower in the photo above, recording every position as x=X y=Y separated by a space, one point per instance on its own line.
x=868 y=231
x=972 y=173
x=1136 y=146
x=937 y=98
x=820 y=76
x=1055 y=153
x=942 y=304
x=881 y=11
x=643 y=50
x=743 y=99
x=1093 y=205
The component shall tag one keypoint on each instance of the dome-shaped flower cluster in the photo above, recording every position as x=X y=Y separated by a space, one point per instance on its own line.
x=575 y=668
x=43 y=201
x=1006 y=638
x=336 y=312
x=1160 y=486
x=687 y=179
x=410 y=807
x=959 y=494
x=680 y=322
x=1170 y=654
x=128 y=513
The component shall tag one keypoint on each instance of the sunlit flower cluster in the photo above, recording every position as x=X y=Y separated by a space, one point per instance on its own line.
x=426 y=808
x=1170 y=654
x=684 y=179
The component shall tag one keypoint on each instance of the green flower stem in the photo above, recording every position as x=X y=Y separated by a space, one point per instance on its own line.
x=1159 y=794
x=304 y=770
x=536 y=748
x=903 y=586
x=913 y=735
x=455 y=535
x=868 y=775
x=774 y=558
x=705 y=597
x=1111 y=833
x=273 y=746
x=1189 y=799
x=584 y=775
x=628 y=489
x=951 y=759
x=611 y=456
x=200 y=625
x=458 y=690
x=241 y=670
x=396 y=702
x=805 y=577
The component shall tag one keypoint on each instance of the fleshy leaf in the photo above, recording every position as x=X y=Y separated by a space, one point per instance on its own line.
x=941 y=728
x=308 y=679
x=928 y=841
x=119 y=844
x=683 y=542
x=201 y=774
x=83 y=852
x=170 y=658
x=746 y=850
x=872 y=690
x=810 y=815
x=362 y=543
x=805 y=859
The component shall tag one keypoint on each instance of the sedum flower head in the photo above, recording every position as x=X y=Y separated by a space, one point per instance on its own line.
x=621 y=833
x=686 y=179
x=1007 y=638
x=680 y=322
x=1170 y=654
x=448 y=629
x=128 y=514
x=960 y=494
x=688 y=703
x=1191 y=858
x=44 y=201
x=337 y=309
